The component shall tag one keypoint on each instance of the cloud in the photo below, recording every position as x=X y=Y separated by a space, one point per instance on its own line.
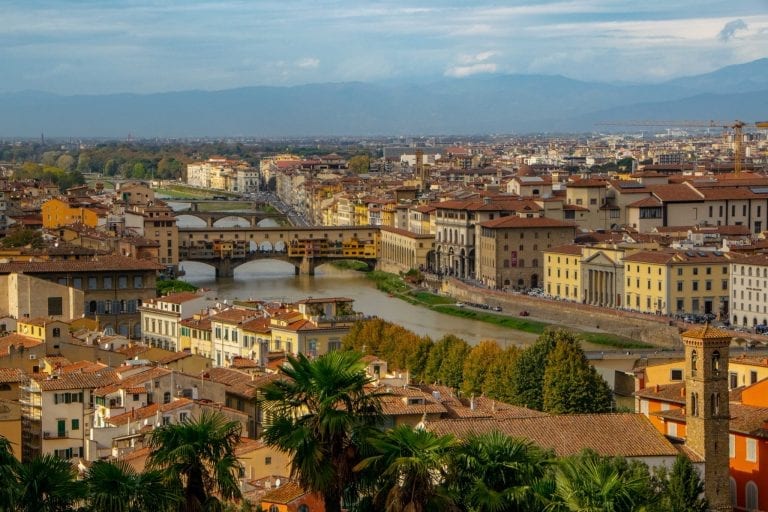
x=478 y=57
x=308 y=63
x=730 y=29
x=474 y=69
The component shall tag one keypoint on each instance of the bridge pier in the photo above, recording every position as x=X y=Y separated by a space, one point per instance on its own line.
x=306 y=267
x=224 y=268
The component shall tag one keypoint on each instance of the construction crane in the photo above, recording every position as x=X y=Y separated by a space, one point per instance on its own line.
x=737 y=127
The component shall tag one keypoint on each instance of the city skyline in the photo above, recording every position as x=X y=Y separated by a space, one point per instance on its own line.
x=95 y=47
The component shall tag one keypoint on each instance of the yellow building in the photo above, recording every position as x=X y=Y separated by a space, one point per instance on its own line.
x=61 y=212
x=562 y=266
x=677 y=282
x=260 y=460
x=195 y=335
x=401 y=250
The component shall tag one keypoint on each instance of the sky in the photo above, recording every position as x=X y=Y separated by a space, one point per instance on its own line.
x=114 y=46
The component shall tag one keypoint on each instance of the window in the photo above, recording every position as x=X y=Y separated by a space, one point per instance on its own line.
x=752 y=376
x=274 y=508
x=679 y=286
x=644 y=408
x=751 y=450
x=55 y=306
x=303 y=508
x=77 y=282
x=167 y=397
x=676 y=374
x=733 y=380
x=731 y=445
x=138 y=282
x=107 y=282
x=92 y=283
x=267 y=461
x=75 y=424
x=122 y=282
x=672 y=429
x=752 y=496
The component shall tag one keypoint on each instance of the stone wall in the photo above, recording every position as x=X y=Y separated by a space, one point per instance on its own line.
x=651 y=329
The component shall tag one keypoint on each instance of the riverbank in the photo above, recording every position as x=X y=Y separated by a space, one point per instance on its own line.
x=396 y=286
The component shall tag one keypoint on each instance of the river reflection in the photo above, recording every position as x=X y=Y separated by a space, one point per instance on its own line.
x=268 y=279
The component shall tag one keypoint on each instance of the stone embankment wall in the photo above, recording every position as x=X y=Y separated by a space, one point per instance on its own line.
x=648 y=328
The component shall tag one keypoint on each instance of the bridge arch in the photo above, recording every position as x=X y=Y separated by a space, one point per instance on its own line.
x=230 y=221
x=186 y=220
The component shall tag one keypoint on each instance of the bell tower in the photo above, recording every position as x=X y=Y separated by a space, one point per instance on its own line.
x=706 y=410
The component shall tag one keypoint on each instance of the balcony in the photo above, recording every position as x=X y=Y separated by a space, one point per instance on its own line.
x=59 y=434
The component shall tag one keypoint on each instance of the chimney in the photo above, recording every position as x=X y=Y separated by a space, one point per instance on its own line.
x=656 y=388
x=682 y=392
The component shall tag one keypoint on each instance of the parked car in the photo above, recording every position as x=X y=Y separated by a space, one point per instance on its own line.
x=497 y=308
x=524 y=313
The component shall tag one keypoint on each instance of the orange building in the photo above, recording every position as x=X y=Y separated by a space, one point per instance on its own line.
x=290 y=497
x=65 y=211
x=665 y=406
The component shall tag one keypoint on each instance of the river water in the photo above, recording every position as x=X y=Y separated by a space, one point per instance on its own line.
x=272 y=279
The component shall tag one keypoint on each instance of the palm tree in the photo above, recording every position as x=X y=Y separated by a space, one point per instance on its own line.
x=198 y=455
x=321 y=415
x=8 y=468
x=411 y=466
x=117 y=487
x=494 y=472
x=592 y=484
x=48 y=484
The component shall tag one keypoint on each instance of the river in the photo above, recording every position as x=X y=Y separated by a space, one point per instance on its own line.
x=272 y=279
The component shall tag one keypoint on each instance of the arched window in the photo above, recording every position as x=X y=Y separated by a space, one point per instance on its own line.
x=92 y=306
x=694 y=360
x=694 y=404
x=752 y=500
x=303 y=508
x=716 y=362
x=167 y=397
x=274 y=508
x=56 y=332
x=714 y=404
x=732 y=489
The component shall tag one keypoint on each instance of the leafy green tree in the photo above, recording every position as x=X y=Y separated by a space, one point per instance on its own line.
x=417 y=358
x=8 y=469
x=571 y=384
x=198 y=456
x=445 y=363
x=359 y=164
x=117 y=487
x=321 y=416
x=494 y=472
x=411 y=466
x=48 y=484
x=166 y=286
x=683 y=490
x=65 y=162
x=111 y=167
x=500 y=374
x=22 y=237
x=587 y=483
x=528 y=372
x=477 y=366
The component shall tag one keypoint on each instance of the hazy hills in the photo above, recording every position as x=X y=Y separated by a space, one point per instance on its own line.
x=474 y=105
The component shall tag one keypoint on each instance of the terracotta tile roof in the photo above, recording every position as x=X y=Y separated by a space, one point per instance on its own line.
x=148 y=411
x=626 y=435
x=646 y=202
x=658 y=257
x=571 y=249
x=575 y=208
x=99 y=264
x=16 y=340
x=514 y=221
x=11 y=375
x=406 y=233
x=672 y=393
x=78 y=380
x=232 y=315
x=398 y=401
x=706 y=332
x=286 y=493
x=749 y=420
x=676 y=193
x=587 y=183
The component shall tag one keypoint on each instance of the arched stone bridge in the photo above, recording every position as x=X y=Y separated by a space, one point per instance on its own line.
x=247 y=219
x=304 y=247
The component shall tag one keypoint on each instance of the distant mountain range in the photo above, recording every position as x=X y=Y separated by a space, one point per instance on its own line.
x=484 y=104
